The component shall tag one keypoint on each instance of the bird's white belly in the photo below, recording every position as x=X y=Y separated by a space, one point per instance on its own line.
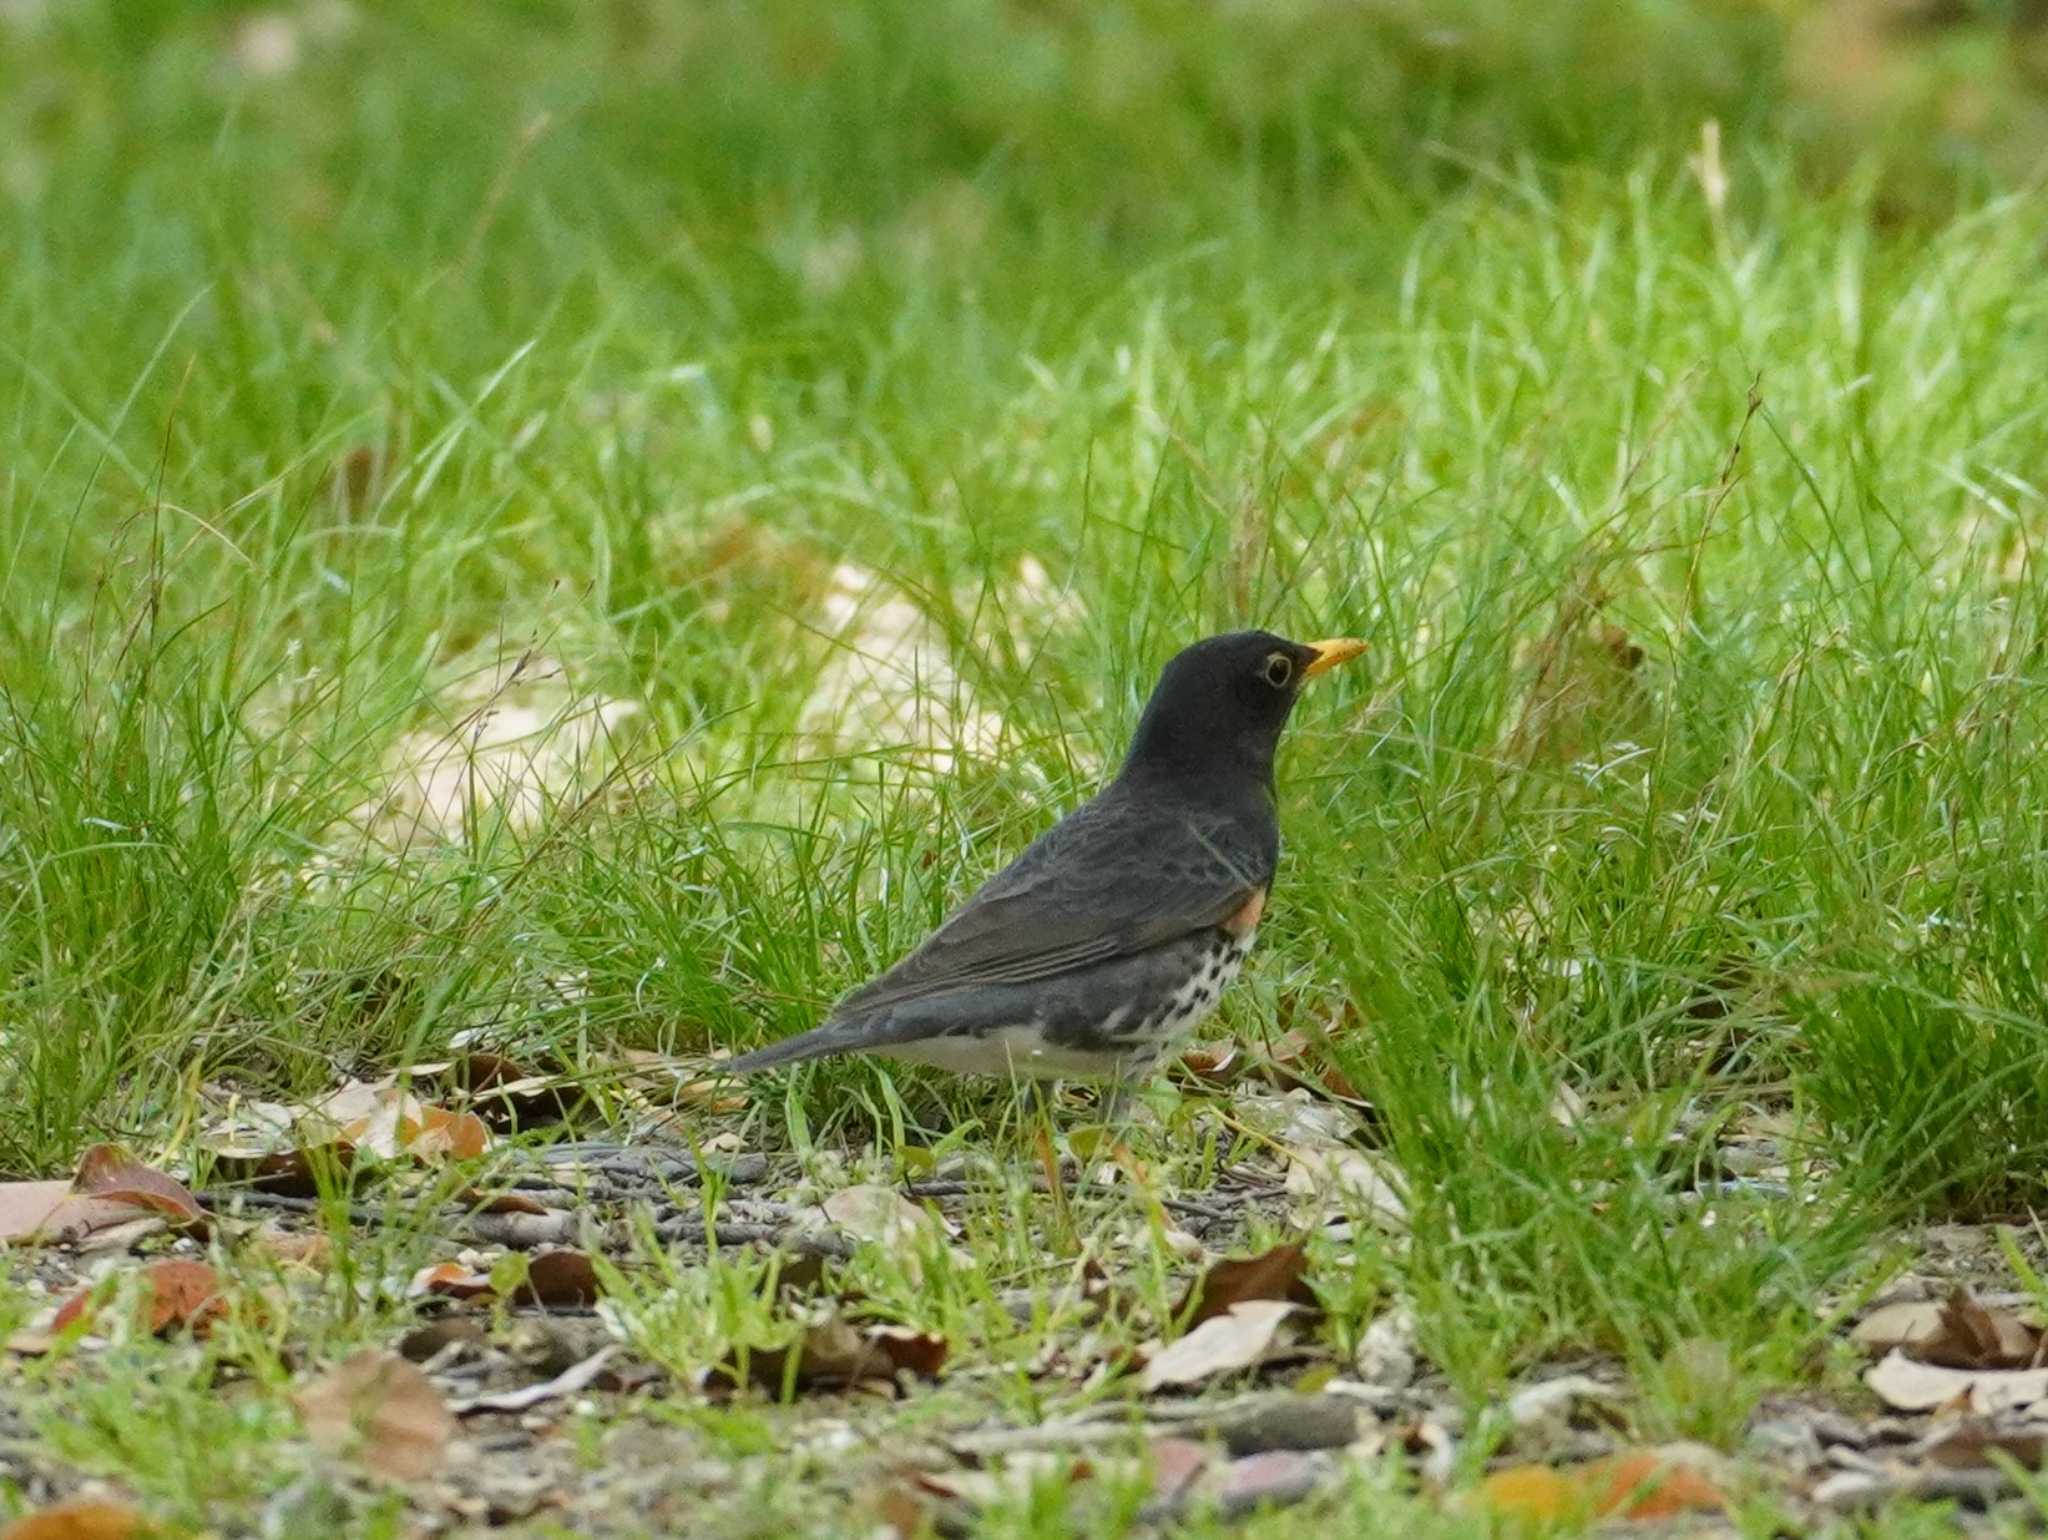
x=1020 y=1051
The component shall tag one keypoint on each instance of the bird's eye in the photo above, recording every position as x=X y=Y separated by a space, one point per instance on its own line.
x=1279 y=669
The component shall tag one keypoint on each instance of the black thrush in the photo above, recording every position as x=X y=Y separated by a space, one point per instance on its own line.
x=1118 y=929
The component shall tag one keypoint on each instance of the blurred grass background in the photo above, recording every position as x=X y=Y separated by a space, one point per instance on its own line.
x=1655 y=382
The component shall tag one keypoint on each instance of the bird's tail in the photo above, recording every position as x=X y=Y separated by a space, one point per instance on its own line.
x=818 y=1043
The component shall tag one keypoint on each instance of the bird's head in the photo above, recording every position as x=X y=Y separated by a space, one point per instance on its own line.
x=1219 y=705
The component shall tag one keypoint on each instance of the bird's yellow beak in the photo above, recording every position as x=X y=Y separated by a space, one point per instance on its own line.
x=1338 y=649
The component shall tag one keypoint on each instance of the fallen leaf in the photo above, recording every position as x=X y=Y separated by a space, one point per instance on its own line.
x=919 y=1353
x=1281 y=1273
x=904 y=1512
x=294 y=1173
x=1973 y=1335
x=387 y=1120
x=355 y=474
x=423 y=1342
x=1535 y=1493
x=1567 y=1107
x=885 y=1217
x=879 y=1214
x=1635 y=1484
x=83 y=1518
x=1223 y=1344
x=1013 y=1481
x=110 y=1173
x=383 y=1411
x=1297 y=1058
x=1906 y=1324
x=438 y=1132
x=797 y=1276
x=503 y=1202
x=172 y=1293
x=1646 y=1484
x=125 y=1236
x=1210 y=1062
x=111 y=1188
x=272 y=1147
x=1335 y=1175
x=1910 y=1386
x=449 y=1280
x=1975 y=1444
x=1585 y=689
x=560 y=1277
x=353 y=1103
x=311 y=1250
x=506 y=1094
x=832 y=1352
x=26 y=1207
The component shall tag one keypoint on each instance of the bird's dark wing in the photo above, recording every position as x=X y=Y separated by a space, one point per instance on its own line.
x=1117 y=876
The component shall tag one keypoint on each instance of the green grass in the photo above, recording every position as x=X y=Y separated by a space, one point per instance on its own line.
x=1697 y=766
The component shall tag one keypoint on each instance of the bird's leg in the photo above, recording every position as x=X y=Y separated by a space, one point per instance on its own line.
x=1049 y=1158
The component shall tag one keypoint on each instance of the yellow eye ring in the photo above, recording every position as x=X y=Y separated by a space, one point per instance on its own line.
x=1279 y=670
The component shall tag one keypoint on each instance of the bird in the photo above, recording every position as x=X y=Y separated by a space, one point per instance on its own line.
x=1115 y=932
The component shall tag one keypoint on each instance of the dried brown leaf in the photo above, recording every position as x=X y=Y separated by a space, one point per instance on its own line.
x=503 y=1202
x=560 y=1277
x=1974 y=1335
x=1978 y=1443
x=173 y=1293
x=383 y=1411
x=1536 y=1494
x=311 y=1250
x=833 y=1353
x=506 y=1094
x=109 y=1173
x=449 y=1280
x=83 y=1518
x=288 y=1173
x=111 y=1188
x=1224 y=1344
x=26 y=1207
x=1213 y=1063
x=437 y=1132
x=1907 y=1325
x=904 y=1512
x=1911 y=1386
x=1281 y=1273
x=1013 y=1480
x=1634 y=1484
x=1648 y=1484
x=423 y=1342
x=388 y=1121
x=879 y=1214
